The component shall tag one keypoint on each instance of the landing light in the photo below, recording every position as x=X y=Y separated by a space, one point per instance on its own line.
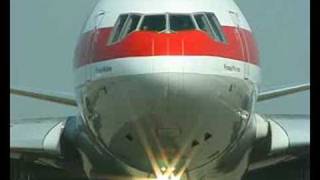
x=168 y=178
x=174 y=178
x=163 y=178
x=163 y=169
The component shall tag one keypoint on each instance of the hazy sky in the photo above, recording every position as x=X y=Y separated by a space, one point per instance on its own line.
x=44 y=34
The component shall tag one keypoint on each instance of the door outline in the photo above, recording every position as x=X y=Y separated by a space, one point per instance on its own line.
x=244 y=46
x=93 y=38
x=98 y=20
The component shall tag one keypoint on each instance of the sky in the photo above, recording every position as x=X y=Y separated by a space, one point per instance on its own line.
x=44 y=34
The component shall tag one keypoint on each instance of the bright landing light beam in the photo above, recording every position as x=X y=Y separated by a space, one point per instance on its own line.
x=168 y=178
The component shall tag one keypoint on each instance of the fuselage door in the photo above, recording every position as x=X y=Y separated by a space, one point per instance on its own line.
x=91 y=44
x=242 y=39
x=93 y=40
x=95 y=33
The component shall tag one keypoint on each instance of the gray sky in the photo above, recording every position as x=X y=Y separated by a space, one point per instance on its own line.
x=44 y=34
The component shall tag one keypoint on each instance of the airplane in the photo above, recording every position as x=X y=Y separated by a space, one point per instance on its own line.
x=164 y=91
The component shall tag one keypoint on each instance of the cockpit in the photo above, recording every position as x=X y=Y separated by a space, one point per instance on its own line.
x=166 y=23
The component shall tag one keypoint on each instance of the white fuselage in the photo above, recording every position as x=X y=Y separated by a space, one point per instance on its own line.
x=165 y=105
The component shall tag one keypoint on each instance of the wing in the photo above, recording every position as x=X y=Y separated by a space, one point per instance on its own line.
x=282 y=92
x=41 y=136
x=280 y=138
x=37 y=139
x=41 y=140
x=36 y=135
x=60 y=98
x=44 y=148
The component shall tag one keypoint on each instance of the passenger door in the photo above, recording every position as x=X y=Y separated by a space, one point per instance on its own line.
x=242 y=39
x=95 y=33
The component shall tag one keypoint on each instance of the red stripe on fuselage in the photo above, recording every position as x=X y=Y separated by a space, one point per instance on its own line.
x=93 y=47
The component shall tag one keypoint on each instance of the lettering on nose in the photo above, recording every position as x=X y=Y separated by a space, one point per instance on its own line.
x=232 y=68
x=103 y=69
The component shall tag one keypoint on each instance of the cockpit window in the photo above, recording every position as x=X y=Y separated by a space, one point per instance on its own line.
x=203 y=23
x=181 y=22
x=118 y=27
x=130 y=25
x=215 y=26
x=168 y=22
x=209 y=23
x=153 y=23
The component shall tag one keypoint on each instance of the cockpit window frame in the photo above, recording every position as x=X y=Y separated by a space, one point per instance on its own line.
x=111 y=41
x=207 y=23
x=213 y=31
x=218 y=25
x=116 y=26
x=153 y=14
x=123 y=33
x=186 y=14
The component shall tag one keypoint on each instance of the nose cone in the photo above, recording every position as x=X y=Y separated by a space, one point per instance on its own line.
x=166 y=122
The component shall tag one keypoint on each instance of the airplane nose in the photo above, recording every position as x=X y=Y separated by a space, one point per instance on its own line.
x=166 y=123
x=156 y=135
